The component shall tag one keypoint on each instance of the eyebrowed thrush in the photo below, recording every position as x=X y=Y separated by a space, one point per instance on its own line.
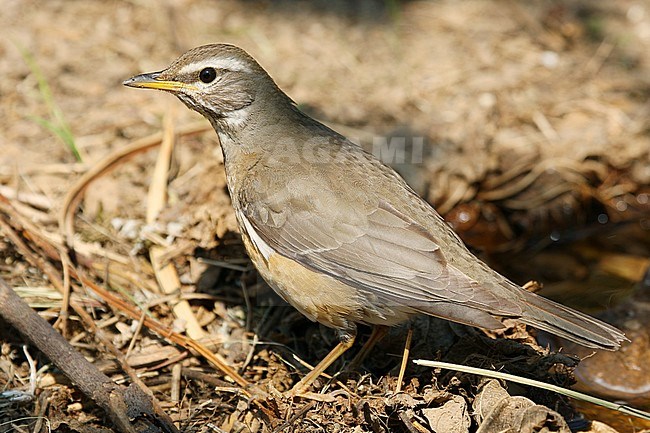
x=334 y=231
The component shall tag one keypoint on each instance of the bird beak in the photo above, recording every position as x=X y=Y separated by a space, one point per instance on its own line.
x=153 y=81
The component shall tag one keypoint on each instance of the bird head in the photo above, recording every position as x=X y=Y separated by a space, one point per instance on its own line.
x=219 y=81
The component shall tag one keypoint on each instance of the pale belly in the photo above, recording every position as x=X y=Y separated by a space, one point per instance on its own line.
x=319 y=297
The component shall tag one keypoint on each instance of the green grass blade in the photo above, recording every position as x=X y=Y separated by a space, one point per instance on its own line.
x=57 y=125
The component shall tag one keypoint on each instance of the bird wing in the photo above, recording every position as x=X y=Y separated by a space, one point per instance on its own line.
x=375 y=248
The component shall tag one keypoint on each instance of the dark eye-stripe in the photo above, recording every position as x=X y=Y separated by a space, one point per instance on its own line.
x=207 y=75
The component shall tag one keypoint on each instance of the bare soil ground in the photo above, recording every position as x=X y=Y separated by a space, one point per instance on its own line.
x=535 y=124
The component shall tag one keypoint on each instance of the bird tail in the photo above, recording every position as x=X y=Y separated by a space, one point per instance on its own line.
x=570 y=324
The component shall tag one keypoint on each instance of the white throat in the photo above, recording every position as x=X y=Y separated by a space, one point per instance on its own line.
x=235 y=120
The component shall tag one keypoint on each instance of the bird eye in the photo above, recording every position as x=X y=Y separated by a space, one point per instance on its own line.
x=207 y=75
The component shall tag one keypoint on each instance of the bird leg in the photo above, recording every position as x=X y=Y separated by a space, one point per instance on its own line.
x=378 y=332
x=346 y=340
